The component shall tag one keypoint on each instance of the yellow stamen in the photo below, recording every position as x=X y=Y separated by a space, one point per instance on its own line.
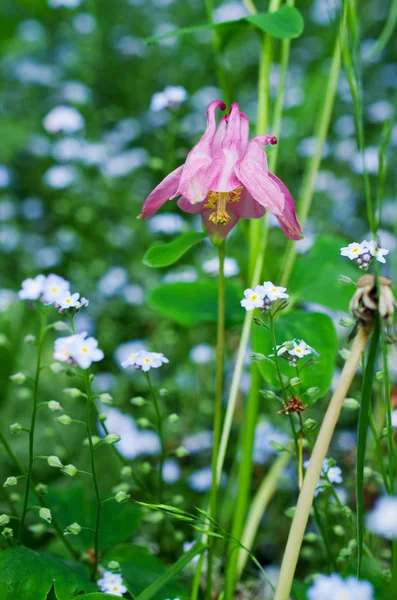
x=218 y=201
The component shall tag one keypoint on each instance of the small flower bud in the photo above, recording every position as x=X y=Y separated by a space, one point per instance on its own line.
x=69 y=470
x=163 y=392
x=268 y=394
x=173 y=418
x=106 y=398
x=181 y=452
x=4 y=520
x=57 y=368
x=112 y=438
x=143 y=422
x=384 y=432
x=95 y=441
x=346 y=280
x=338 y=530
x=345 y=353
x=72 y=392
x=41 y=488
x=18 y=378
x=290 y=512
x=178 y=499
x=311 y=537
x=15 y=428
x=145 y=467
x=138 y=401
x=368 y=472
x=295 y=382
x=73 y=529
x=54 y=406
x=4 y=341
x=113 y=565
x=126 y=472
x=309 y=425
x=277 y=446
x=313 y=391
x=258 y=322
x=257 y=357
x=7 y=533
x=64 y=420
x=345 y=322
x=29 y=339
x=102 y=417
x=60 y=326
x=54 y=461
x=10 y=481
x=380 y=376
x=351 y=404
x=92 y=377
x=121 y=497
x=45 y=514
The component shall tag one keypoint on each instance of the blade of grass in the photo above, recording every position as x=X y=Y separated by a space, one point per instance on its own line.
x=363 y=422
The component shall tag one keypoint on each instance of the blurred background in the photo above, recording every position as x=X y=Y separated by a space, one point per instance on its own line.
x=89 y=125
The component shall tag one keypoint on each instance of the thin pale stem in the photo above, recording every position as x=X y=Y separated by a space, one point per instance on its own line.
x=93 y=473
x=159 y=427
x=43 y=316
x=313 y=472
x=218 y=409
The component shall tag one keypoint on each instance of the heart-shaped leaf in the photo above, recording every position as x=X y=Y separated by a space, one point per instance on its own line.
x=164 y=255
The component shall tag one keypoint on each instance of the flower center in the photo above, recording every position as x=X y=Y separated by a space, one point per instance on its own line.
x=254 y=297
x=218 y=201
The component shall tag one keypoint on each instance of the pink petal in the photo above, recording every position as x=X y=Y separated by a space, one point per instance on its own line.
x=188 y=207
x=245 y=132
x=194 y=184
x=255 y=150
x=288 y=219
x=259 y=184
x=163 y=192
x=220 y=134
x=246 y=207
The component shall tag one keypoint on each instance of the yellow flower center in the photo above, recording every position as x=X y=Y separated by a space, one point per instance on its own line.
x=355 y=250
x=147 y=360
x=254 y=297
x=84 y=349
x=68 y=300
x=218 y=201
x=54 y=289
x=298 y=350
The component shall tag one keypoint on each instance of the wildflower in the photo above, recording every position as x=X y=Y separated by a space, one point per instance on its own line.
x=294 y=350
x=63 y=347
x=79 y=349
x=364 y=253
x=145 y=360
x=378 y=253
x=274 y=292
x=330 y=472
x=253 y=298
x=112 y=583
x=230 y=266
x=333 y=587
x=63 y=118
x=53 y=287
x=354 y=250
x=225 y=178
x=201 y=354
x=134 y=442
x=383 y=518
x=66 y=300
x=32 y=288
x=172 y=96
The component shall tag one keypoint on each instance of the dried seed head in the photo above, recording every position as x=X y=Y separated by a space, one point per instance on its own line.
x=295 y=405
x=365 y=303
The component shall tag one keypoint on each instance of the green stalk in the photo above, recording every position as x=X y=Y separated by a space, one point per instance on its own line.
x=313 y=166
x=218 y=410
x=93 y=473
x=43 y=318
x=305 y=500
x=159 y=427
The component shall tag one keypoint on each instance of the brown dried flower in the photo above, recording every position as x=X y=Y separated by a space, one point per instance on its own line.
x=365 y=303
x=294 y=405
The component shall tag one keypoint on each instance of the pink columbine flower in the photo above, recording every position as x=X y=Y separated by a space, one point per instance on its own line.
x=225 y=178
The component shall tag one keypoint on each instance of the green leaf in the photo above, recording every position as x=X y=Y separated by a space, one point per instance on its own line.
x=191 y=303
x=287 y=22
x=315 y=276
x=318 y=331
x=164 y=255
x=140 y=569
x=159 y=584
x=96 y=596
x=363 y=420
x=26 y=574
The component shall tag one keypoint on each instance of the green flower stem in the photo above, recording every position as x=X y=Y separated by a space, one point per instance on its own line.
x=159 y=428
x=313 y=165
x=379 y=452
x=218 y=411
x=93 y=473
x=43 y=318
x=313 y=472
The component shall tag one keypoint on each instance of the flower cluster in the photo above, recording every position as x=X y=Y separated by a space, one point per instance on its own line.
x=145 y=361
x=330 y=473
x=78 y=349
x=383 y=519
x=333 y=586
x=51 y=289
x=364 y=254
x=294 y=350
x=112 y=583
x=262 y=296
